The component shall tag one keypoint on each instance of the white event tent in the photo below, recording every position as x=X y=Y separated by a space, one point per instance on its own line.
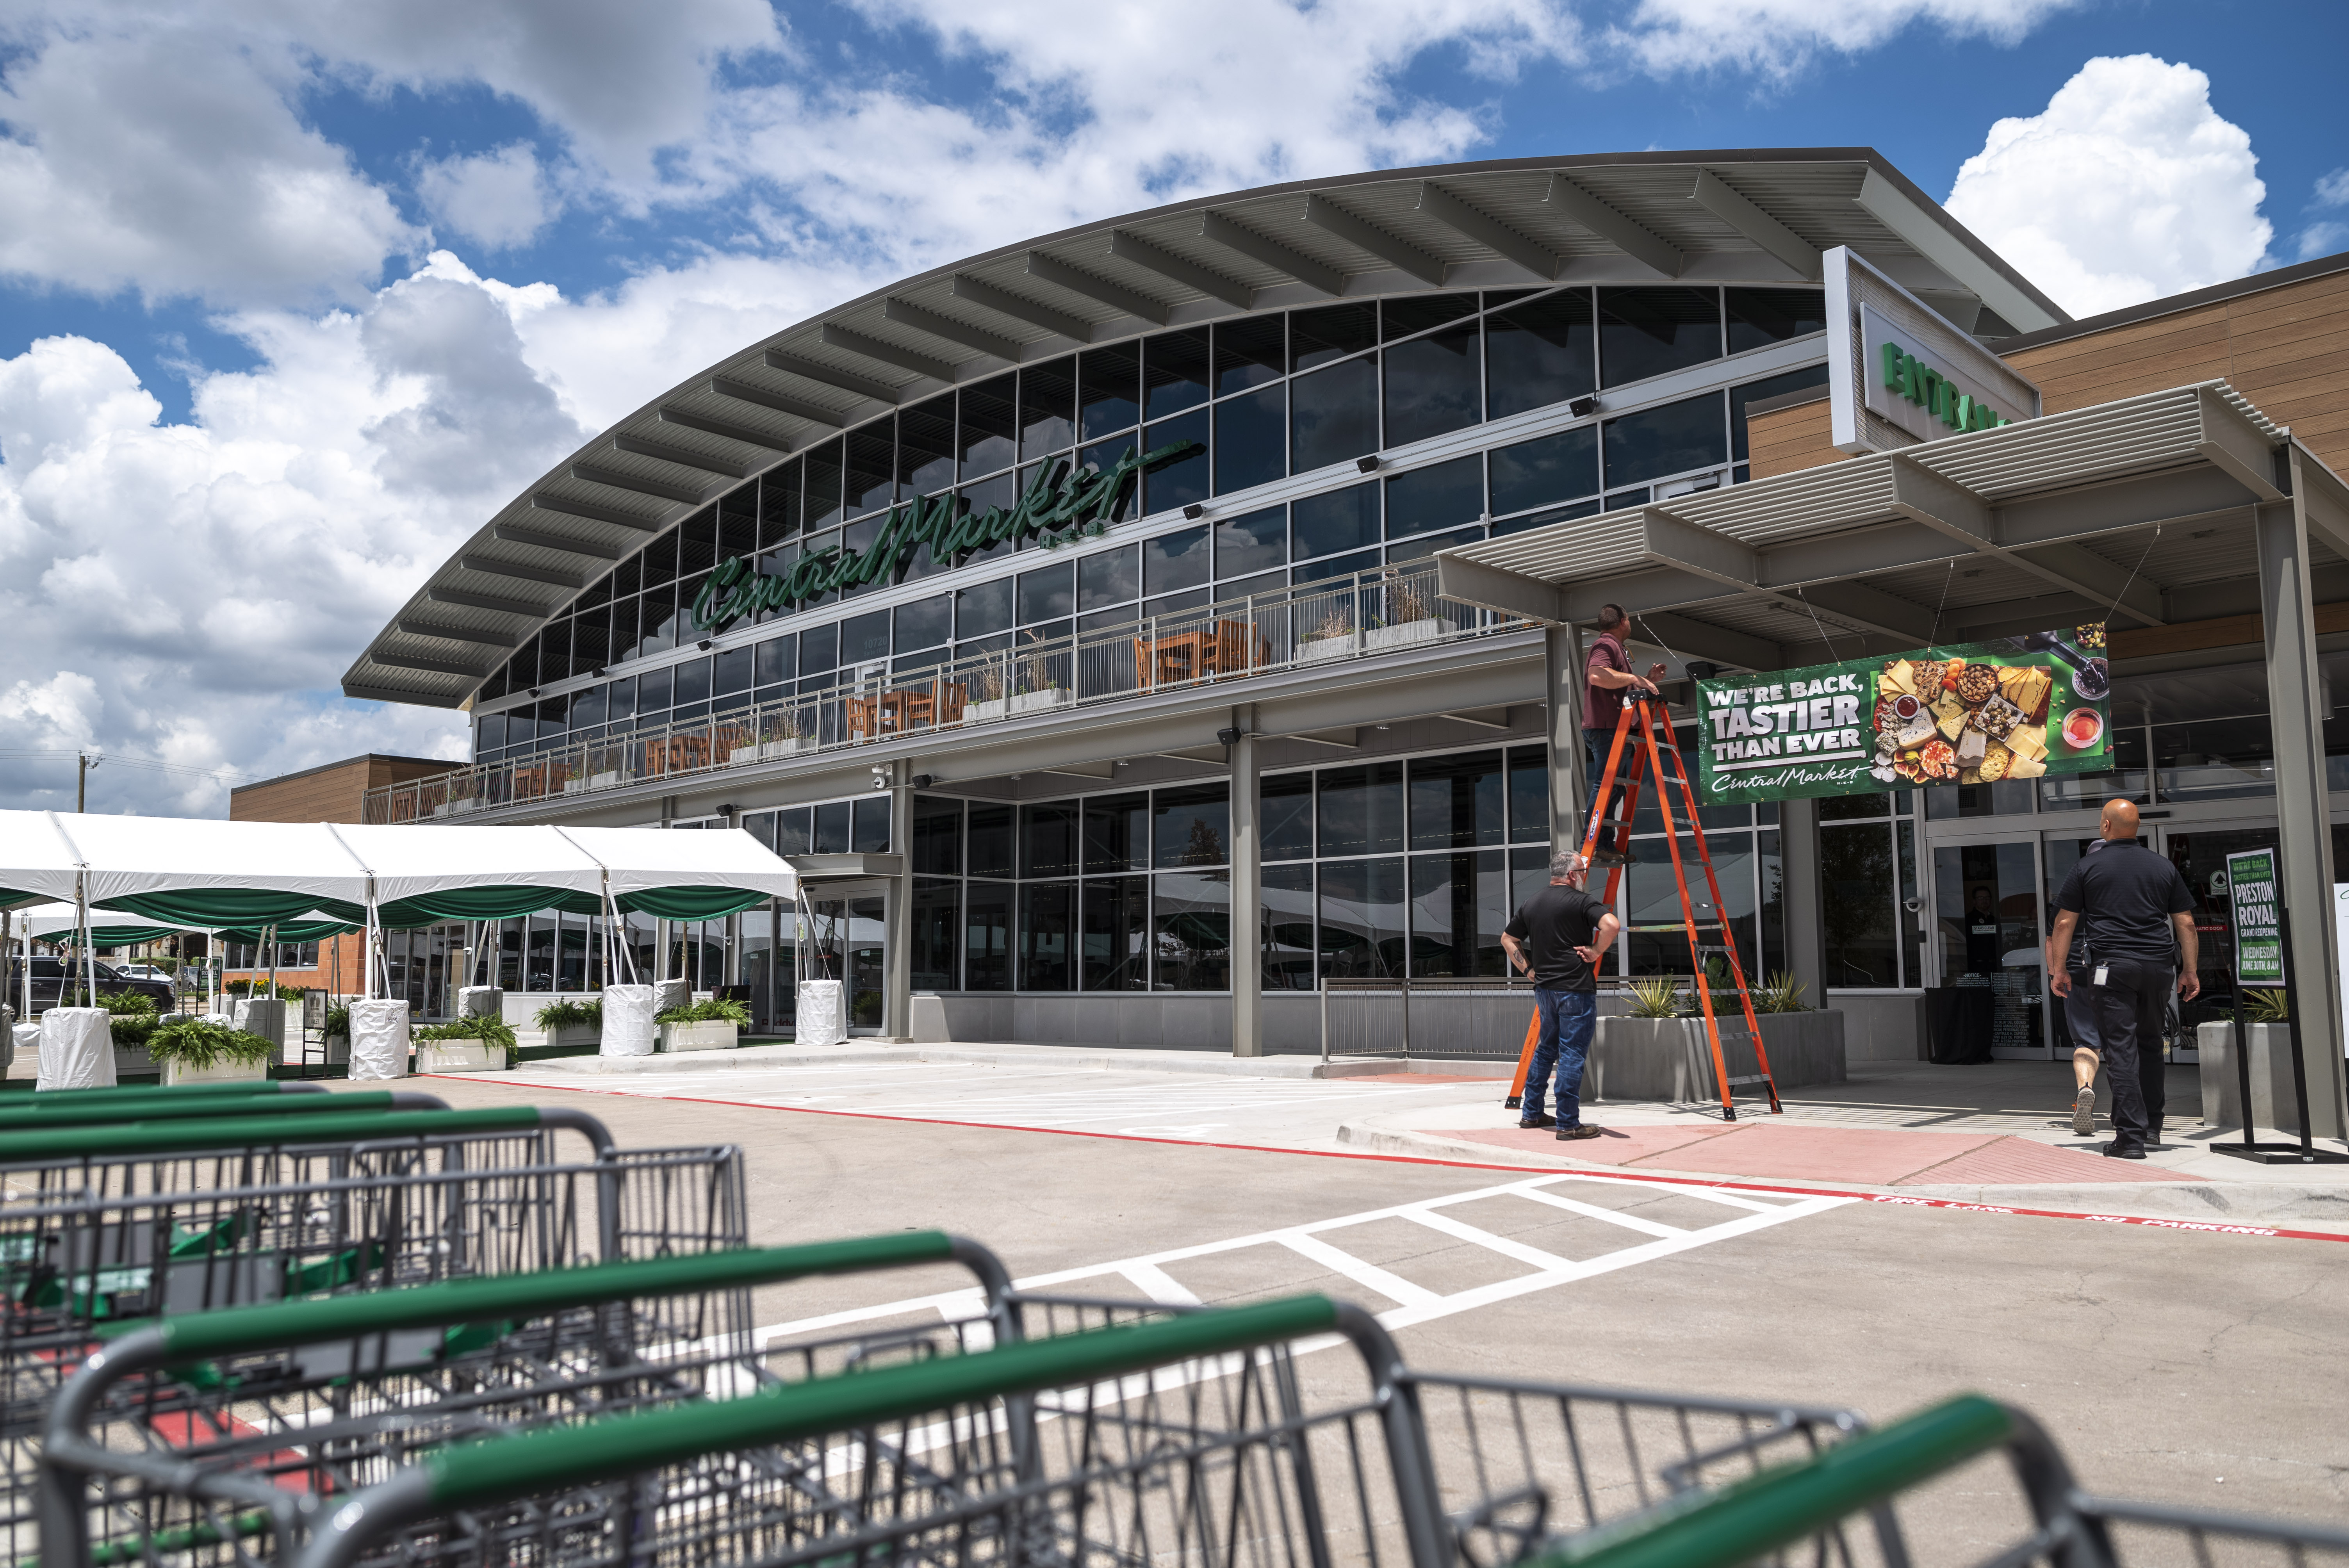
x=204 y=873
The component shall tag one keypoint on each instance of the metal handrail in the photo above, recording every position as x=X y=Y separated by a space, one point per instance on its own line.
x=1363 y=616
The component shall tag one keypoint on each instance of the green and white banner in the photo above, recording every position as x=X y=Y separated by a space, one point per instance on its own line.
x=1973 y=713
x=2254 y=910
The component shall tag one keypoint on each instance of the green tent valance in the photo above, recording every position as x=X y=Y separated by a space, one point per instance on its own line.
x=296 y=931
x=117 y=935
x=242 y=914
x=690 y=903
x=215 y=906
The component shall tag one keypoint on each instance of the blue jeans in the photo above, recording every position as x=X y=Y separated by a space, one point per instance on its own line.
x=1595 y=746
x=1568 y=1018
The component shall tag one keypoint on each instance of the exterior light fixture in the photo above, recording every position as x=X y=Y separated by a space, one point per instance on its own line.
x=1582 y=407
x=922 y=781
x=1701 y=669
x=1228 y=736
x=1194 y=512
x=705 y=644
x=1369 y=465
x=533 y=691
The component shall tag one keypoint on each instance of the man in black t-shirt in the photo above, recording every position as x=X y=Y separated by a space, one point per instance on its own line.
x=1558 y=936
x=2137 y=913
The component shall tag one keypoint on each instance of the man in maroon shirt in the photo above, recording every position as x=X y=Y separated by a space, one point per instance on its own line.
x=1608 y=673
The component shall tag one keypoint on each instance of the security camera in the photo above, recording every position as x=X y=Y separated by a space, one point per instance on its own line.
x=1912 y=905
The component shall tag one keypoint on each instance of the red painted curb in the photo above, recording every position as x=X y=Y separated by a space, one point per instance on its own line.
x=1903 y=1201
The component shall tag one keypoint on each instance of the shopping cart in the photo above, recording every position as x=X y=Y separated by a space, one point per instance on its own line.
x=1867 y=1477
x=1211 y=1439
x=191 y=1428
x=188 y=1216
x=1206 y=1437
x=168 y=1105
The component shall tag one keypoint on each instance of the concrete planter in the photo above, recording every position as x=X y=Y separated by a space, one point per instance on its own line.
x=1317 y=649
x=455 y=1055
x=456 y=808
x=2273 y=1102
x=1670 y=1059
x=1042 y=701
x=339 y=1050
x=582 y=1036
x=767 y=751
x=710 y=1034
x=219 y=1072
x=1403 y=637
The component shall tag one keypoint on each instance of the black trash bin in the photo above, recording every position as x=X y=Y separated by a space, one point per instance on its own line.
x=1957 y=1024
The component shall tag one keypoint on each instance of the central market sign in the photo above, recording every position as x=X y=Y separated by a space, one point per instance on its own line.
x=1064 y=501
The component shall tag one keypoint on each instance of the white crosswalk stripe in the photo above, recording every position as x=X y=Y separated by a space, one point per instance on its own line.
x=1157 y=1274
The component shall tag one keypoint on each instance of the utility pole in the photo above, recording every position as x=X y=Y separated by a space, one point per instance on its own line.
x=81 y=779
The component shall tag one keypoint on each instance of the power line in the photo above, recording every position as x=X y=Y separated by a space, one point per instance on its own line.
x=150 y=764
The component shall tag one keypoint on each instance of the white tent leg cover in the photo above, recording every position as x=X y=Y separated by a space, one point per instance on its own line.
x=380 y=1039
x=627 y=1021
x=76 y=1049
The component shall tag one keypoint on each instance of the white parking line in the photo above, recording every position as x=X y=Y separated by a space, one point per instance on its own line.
x=1415 y=1303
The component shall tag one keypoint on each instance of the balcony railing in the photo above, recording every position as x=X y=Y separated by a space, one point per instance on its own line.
x=1369 y=614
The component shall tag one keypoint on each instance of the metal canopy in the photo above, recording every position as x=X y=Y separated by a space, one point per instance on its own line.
x=1750 y=216
x=2036 y=523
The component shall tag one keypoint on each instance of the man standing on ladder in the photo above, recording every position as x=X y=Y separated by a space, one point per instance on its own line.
x=1568 y=931
x=1608 y=672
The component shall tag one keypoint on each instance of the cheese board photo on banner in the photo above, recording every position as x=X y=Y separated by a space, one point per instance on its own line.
x=1968 y=713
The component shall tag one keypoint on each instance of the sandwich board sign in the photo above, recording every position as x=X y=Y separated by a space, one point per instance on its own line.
x=2255 y=917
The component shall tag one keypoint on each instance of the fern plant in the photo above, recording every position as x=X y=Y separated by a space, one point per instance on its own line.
x=716 y=1010
x=133 y=1029
x=1656 y=996
x=126 y=1004
x=487 y=1029
x=199 y=1044
x=338 y=1020
x=569 y=1014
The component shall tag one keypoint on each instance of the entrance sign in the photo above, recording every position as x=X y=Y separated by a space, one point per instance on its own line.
x=1062 y=502
x=2255 y=914
x=1900 y=372
x=1975 y=713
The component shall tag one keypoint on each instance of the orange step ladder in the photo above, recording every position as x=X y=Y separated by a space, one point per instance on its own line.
x=1650 y=746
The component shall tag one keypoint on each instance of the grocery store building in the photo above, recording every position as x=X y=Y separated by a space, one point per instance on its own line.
x=1051 y=607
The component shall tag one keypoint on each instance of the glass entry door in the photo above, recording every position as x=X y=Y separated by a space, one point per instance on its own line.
x=847 y=936
x=1989 y=914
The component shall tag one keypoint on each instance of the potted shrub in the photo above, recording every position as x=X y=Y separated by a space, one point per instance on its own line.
x=479 y=1043
x=198 y=1050
x=569 y=1023
x=131 y=1021
x=1331 y=638
x=711 y=1025
x=1410 y=617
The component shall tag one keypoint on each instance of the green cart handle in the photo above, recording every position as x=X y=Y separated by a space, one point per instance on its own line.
x=70 y=1451
x=232 y=1087
x=164 y=1105
x=1757 y=1517
x=66 y=1145
x=485 y=1472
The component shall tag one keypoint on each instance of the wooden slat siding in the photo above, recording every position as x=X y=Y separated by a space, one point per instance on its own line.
x=2285 y=348
x=328 y=795
x=2226 y=632
x=1787 y=439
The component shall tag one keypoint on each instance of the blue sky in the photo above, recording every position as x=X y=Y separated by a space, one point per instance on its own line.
x=293 y=295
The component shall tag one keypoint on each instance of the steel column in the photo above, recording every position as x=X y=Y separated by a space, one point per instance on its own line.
x=2304 y=824
x=1248 y=892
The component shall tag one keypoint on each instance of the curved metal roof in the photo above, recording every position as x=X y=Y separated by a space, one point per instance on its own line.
x=1750 y=216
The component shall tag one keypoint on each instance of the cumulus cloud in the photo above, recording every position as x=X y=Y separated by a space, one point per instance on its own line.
x=168 y=160
x=191 y=593
x=1774 y=38
x=2130 y=186
x=500 y=199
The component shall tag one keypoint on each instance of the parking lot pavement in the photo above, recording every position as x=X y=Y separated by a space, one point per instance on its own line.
x=2158 y=1358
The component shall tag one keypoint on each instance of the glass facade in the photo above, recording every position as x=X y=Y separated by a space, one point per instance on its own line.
x=1265 y=396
